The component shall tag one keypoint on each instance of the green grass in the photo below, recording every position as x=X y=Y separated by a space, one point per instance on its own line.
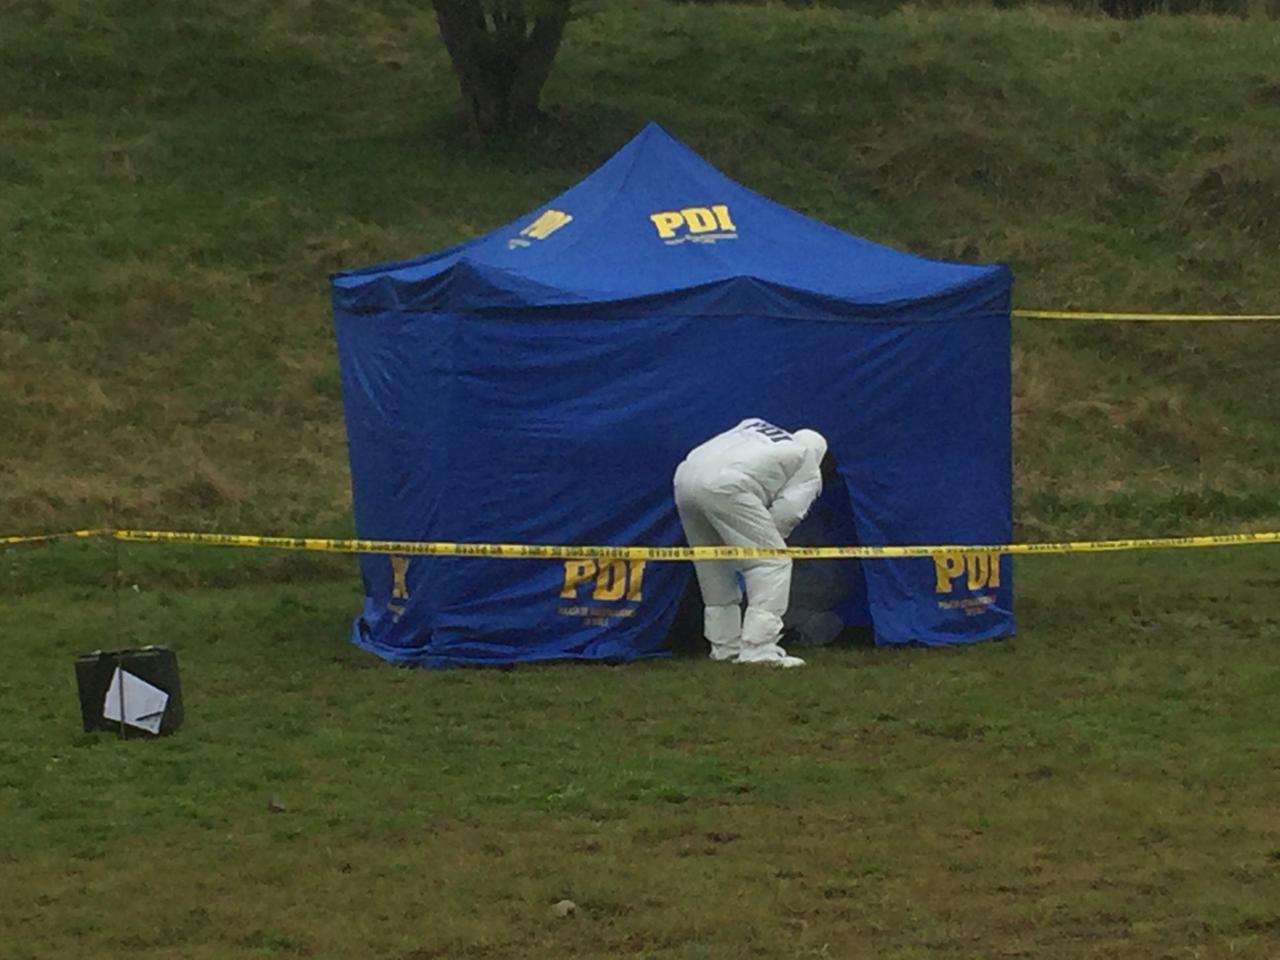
x=1102 y=785
x=180 y=180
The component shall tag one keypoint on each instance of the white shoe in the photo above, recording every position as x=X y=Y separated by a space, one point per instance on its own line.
x=725 y=652
x=773 y=656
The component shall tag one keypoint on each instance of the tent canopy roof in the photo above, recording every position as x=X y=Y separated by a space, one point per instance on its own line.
x=657 y=229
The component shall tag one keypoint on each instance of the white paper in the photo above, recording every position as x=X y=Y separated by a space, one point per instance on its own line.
x=143 y=703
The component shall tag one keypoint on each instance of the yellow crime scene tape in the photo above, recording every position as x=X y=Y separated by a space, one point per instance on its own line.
x=1153 y=317
x=526 y=551
x=53 y=537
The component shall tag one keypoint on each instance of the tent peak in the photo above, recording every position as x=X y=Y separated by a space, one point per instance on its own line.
x=655 y=129
x=656 y=135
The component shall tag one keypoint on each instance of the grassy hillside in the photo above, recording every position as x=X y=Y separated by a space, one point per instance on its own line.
x=176 y=182
x=179 y=180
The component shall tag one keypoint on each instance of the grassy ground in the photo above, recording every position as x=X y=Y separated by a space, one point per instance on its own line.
x=1101 y=786
x=180 y=180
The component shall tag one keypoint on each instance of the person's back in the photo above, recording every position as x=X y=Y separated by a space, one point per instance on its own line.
x=755 y=453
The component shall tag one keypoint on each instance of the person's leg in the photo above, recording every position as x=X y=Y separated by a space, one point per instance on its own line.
x=717 y=579
x=742 y=520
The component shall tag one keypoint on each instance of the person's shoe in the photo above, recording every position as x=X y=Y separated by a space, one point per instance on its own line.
x=773 y=656
x=725 y=652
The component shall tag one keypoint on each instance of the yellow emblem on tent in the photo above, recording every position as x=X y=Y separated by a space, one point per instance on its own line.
x=612 y=579
x=610 y=582
x=399 y=585
x=540 y=229
x=981 y=568
x=696 y=224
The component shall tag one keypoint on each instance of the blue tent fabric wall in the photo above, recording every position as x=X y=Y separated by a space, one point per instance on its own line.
x=539 y=384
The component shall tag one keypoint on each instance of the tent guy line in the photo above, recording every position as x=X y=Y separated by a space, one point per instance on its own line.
x=525 y=551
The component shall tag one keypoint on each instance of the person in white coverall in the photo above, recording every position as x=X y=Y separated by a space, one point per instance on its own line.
x=748 y=487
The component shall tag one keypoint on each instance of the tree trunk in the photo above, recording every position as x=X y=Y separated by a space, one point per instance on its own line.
x=502 y=52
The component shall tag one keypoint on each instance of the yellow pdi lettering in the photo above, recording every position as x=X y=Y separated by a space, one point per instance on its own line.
x=980 y=568
x=576 y=573
x=722 y=217
x=636 y=581
x=611 y=581
x=699 y=219
x=694 y=219
x=947 y=566
x=983 y=570
x=667 y=223
x=399 y=575
x=547 y=224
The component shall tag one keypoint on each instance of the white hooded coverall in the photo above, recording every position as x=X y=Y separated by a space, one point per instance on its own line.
x=748 y=487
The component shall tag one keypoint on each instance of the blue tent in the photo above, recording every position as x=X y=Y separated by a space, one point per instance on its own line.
x=539 y=384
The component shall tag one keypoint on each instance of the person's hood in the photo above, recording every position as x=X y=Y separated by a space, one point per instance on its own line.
x=814 y=441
